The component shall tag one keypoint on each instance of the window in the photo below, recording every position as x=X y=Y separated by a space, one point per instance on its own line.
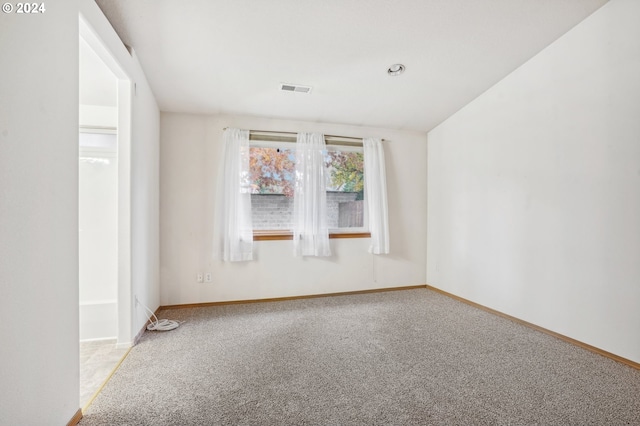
x=345 y=189
x=272 y=187
x=272 y=168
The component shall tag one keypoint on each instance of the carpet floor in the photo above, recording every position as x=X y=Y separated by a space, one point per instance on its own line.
x=412 y=357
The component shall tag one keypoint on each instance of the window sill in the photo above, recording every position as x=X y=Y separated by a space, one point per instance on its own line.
x=288 y=235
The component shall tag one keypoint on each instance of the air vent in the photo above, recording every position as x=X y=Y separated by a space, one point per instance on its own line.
x=286 y=87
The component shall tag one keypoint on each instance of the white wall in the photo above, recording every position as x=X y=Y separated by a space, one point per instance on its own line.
x=144 y=172
x=39 y=216
x=534 y=188
x=145 y=204
x=98 y=116
x=98 y=196
x=189 y=159
x=98 y=224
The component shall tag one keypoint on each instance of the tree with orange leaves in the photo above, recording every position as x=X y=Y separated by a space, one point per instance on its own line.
x=272 y=171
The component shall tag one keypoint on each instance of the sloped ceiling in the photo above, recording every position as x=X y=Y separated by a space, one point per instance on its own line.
x=221 y=56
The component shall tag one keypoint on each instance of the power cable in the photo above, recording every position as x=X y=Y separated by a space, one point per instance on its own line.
x=158 y=325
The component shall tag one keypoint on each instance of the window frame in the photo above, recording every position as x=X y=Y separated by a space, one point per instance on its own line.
x=334 y=233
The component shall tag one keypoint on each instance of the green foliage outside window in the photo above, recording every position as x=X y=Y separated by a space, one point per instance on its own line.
x=272 y=171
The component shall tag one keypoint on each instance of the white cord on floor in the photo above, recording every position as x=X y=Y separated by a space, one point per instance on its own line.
x=159 y=325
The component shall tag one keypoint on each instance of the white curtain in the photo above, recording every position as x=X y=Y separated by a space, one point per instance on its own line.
x=375 y=180
x=235 y=199
x=310 y=230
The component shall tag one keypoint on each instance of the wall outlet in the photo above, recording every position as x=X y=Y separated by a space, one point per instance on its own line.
x=207 y=277
x=200 y=278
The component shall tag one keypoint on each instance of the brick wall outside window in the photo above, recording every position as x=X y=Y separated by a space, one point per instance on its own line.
x=274 y=211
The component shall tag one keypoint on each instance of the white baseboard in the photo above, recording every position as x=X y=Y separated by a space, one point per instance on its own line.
x=124 y=345
x=99 y=339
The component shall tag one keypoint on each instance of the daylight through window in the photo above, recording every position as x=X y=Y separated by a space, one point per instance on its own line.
x=272 y=167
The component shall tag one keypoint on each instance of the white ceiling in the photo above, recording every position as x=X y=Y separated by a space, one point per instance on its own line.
x=221 y=56
x=98 y=85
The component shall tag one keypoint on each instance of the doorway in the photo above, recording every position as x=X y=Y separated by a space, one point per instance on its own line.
x=98 y=258
x=104 y=214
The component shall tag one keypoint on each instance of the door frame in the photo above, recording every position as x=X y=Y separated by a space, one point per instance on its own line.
x=124 y=106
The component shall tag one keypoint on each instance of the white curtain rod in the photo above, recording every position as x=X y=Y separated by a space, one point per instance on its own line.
x=273 y=136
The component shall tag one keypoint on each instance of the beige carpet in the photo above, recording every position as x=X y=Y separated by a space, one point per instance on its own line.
x=396 y=358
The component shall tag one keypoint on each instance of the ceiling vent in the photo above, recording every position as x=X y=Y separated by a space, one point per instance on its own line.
x=286 y=87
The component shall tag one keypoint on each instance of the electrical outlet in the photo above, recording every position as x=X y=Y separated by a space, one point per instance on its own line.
x=207 y=277
x=200 y=278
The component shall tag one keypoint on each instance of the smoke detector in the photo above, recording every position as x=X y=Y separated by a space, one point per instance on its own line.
x=287 y=87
